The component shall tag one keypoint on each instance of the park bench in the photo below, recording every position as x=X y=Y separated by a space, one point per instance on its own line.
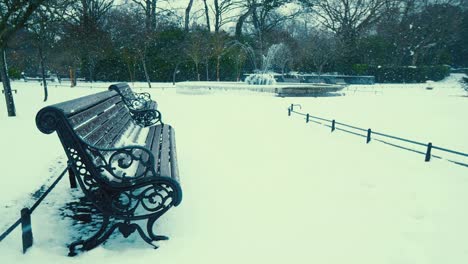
x=143 y=110
x=129 y=173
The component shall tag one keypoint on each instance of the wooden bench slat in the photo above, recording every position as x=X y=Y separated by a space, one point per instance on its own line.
x=94 y=122
x=84 y=116
x=150 y=137
x=124 y=89
x=165 y=167
x=124 y=128
x=114 y=134
x=148 y=142
x=173 y=154
x=155 y=145
x=102 y=130
x=78 y=105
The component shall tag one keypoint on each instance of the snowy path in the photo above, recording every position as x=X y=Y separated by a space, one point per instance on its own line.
x=268 y=188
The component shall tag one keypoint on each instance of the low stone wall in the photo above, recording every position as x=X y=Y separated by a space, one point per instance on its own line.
x=338 y=79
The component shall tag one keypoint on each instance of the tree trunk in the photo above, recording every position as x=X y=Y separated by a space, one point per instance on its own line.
x=207 y=69
x=414 y=60
x=320 y=68
x=187 y=15
x=218 y=63
x=217 y=16
x=130 y=72
x=196 y=69
x=153 y=14
x=176 y=69
x=148 y=16
x=72 y=78
x=44 y=81
x=207 y=14
x=143 y=61
x=240 y=22
x=6 y=83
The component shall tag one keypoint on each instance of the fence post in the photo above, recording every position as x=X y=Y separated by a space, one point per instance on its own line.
x=307 y=118
x=369 y=132
x=26 y=228
x=428 y=152
x=292 y=107
x=333 y=125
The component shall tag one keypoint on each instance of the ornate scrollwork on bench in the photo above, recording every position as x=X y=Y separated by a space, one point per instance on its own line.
x=142 y=108
x=130 y=174
x=119 y=164
x=145 y=118
x=134 y=191
x=141 y=101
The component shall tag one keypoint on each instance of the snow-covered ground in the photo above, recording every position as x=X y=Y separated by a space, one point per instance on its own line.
x=262 y=187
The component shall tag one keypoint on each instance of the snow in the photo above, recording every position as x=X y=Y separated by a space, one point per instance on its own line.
x=262 y=187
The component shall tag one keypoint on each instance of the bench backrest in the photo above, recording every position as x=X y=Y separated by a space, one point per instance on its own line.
x=98 y=120
x=86 y=126
x=124 y=90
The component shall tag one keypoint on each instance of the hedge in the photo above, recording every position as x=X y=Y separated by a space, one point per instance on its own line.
x=408 y=74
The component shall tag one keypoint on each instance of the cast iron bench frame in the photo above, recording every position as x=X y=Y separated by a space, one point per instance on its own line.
x=144 y=111
x=103 y=170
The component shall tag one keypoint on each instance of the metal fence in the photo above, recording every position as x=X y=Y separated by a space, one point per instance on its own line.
x=368 y=133
x=25 y=219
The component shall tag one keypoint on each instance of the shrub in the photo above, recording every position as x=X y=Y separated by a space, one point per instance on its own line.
x=409 y=74
x=360 y=69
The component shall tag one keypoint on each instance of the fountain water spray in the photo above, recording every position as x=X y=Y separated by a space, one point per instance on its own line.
x=266 y=75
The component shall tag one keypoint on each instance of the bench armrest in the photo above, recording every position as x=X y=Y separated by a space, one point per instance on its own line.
x=133 y=181
x=147 y=117
x=141 y=101
x=125 y=165
x=143 y=96
x=155 y=195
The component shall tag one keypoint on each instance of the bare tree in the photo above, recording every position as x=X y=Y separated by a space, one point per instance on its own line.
x=196 y=49
x=219 y=48
x=207 y=15
x=187 y=15
x=43 y=29
x=13 y=16
x=321 y=48
x=249 y=7
x=261 y=13
x=225 y=12
x=149 y=6
x=86 y=27
x=421 y=30
x=349 y=19
x=126 y=28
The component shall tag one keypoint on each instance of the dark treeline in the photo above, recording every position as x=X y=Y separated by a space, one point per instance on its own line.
x=145 y=40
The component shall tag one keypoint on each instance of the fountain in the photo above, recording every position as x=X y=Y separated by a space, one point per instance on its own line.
x=278 y=55
x=261 y=79
x=264 y=79
x=266 y=76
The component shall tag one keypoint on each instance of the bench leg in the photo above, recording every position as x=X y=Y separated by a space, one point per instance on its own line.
x=125 y=228
x=93 y=241
x=71 y=177
x=149 y=228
